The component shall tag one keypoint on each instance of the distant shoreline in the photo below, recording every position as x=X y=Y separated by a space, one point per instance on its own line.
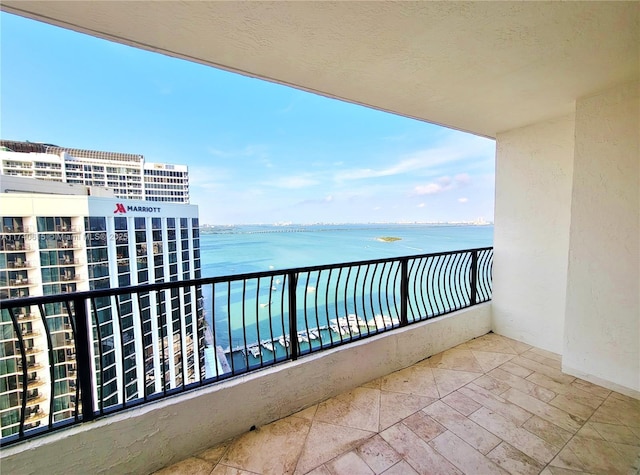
x=303 y=228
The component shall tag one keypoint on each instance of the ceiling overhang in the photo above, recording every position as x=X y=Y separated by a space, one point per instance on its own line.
x=482 y=67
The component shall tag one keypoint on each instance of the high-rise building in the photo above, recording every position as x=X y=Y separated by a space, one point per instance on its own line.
x=127 y=174
x=60 y=243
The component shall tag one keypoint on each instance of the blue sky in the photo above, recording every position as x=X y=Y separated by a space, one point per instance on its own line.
x=257 y=152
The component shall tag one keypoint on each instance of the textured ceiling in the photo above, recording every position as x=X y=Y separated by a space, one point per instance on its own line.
x=483 y=67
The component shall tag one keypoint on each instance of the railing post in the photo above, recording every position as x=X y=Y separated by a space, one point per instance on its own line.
x=293 y=315
x=83 y=359
x=404 y=291
x=474 y=278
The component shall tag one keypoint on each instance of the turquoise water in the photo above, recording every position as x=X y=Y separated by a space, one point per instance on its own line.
x=241 y=249
x=255 y=313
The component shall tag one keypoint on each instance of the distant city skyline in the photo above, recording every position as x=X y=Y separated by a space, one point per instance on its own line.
x=257 y=152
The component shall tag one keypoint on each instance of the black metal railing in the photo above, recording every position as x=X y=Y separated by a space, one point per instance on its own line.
x=107 y=350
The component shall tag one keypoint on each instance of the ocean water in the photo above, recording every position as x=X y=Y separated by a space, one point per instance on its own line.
x=243 y=316
x=242 y=249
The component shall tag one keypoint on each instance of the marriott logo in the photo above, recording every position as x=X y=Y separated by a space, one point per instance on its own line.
x=121 y=209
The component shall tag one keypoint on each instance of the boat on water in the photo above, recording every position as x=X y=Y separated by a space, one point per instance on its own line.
x=255 y=351
x=383 y=321
x=313 y=334
x=263 y=305
x=338 y=329
x=303 y=338
x=284 y=342
x=267 y=345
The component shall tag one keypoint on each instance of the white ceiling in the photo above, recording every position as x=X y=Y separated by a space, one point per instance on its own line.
x=483 y=67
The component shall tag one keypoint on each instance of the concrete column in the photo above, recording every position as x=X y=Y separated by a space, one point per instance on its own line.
x=534 y=166
x=602 y=323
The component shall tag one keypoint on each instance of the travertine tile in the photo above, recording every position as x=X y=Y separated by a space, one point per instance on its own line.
x=546 y=354
x=327 y=441
x=551 y=363
x=401 y=468
x=518 y=437
x=396 y=406
x=544 y=411
x=516 y=370
x=616 y=433
x=549 y=470
x=461 y=403
x=416 y=380
x=630 y=455
x=424 y=426
x=271 y=449
x=547 y=431
x=214 y=454
x=463 y=456
x=491 y=342
x=569 y=404
x=489 y=360
x=308 y=413
x=517 y=346
x=616 y=411
x=188 y=466
x=589 y=455
x=492 y=385
x=358 y=408
x=555 y=374
x=476 y=436
x=348 y=463
x=631 y=402
x=457 y=359
x=496 y=403
x=486 y=406
x=522 y=384
x=589 y=432
x=588 y=387
x=374 y=384
x=378 y=454
x=321 y=470
x=448 y=380
x=423 y=458
x=226 y=470
x=514 y=461
x=577 y=394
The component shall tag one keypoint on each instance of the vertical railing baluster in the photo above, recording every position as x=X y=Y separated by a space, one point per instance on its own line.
x=293 y=316
x=83 y=359
x=23 y=359
x=404 y=291
x=474 y=278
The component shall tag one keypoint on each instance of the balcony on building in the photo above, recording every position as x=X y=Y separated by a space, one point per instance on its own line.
x=557 y=86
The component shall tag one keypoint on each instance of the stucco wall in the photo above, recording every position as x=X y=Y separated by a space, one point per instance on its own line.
x=531 y=237
x=602 y=324
x=145 y=439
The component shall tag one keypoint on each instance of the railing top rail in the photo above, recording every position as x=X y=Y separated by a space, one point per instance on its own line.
x=26 y=301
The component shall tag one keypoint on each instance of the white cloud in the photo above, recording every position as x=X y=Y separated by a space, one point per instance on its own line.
x=293 y=182
x=421 y=205
x=455 y=149
x=463 y=200
x=442 y=184
x=429 y=189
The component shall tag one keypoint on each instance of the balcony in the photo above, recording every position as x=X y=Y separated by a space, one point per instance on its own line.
x=19 y=264
x=287 y=315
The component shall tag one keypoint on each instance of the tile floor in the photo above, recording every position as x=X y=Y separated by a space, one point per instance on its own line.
x=490 y=405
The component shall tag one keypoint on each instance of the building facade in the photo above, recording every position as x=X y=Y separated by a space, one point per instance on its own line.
x=56 y=244
x=128 y=175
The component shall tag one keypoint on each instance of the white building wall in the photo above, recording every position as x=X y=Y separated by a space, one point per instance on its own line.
x=534 y=167
x=602 y=324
